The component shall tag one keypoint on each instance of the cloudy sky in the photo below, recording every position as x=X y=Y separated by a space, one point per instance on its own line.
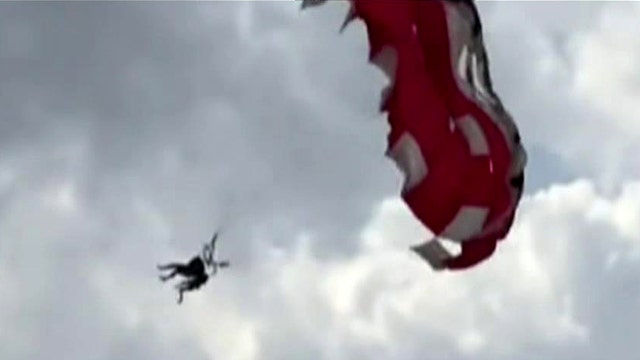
x=130 y=131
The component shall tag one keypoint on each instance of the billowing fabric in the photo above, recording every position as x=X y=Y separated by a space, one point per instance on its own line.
x=458 y=148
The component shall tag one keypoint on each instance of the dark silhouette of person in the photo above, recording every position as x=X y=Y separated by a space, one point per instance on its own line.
x=193 y=268
x=194 y=271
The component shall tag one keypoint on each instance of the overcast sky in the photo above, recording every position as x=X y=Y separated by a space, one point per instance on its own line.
x=130 y=131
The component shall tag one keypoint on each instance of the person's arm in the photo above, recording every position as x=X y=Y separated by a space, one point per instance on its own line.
x=207 y=255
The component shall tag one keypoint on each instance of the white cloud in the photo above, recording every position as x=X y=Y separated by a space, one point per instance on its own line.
x=524 y=297
x=571 y=82
x=606 y=60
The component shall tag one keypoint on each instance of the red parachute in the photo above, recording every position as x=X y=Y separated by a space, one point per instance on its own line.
x=458 y=147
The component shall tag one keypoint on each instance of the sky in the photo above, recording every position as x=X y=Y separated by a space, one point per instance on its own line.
x=130 y=131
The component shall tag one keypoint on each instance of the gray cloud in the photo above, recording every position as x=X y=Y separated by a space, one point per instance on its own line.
x=130 y=131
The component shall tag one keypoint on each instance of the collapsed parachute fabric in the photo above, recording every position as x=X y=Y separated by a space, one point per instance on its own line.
x=457 y=146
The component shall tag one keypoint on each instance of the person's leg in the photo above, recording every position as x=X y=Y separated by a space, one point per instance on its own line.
x=169 y=276
x=176 y=268
x=169 y=266
x=186 y=286
x=182 y=287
